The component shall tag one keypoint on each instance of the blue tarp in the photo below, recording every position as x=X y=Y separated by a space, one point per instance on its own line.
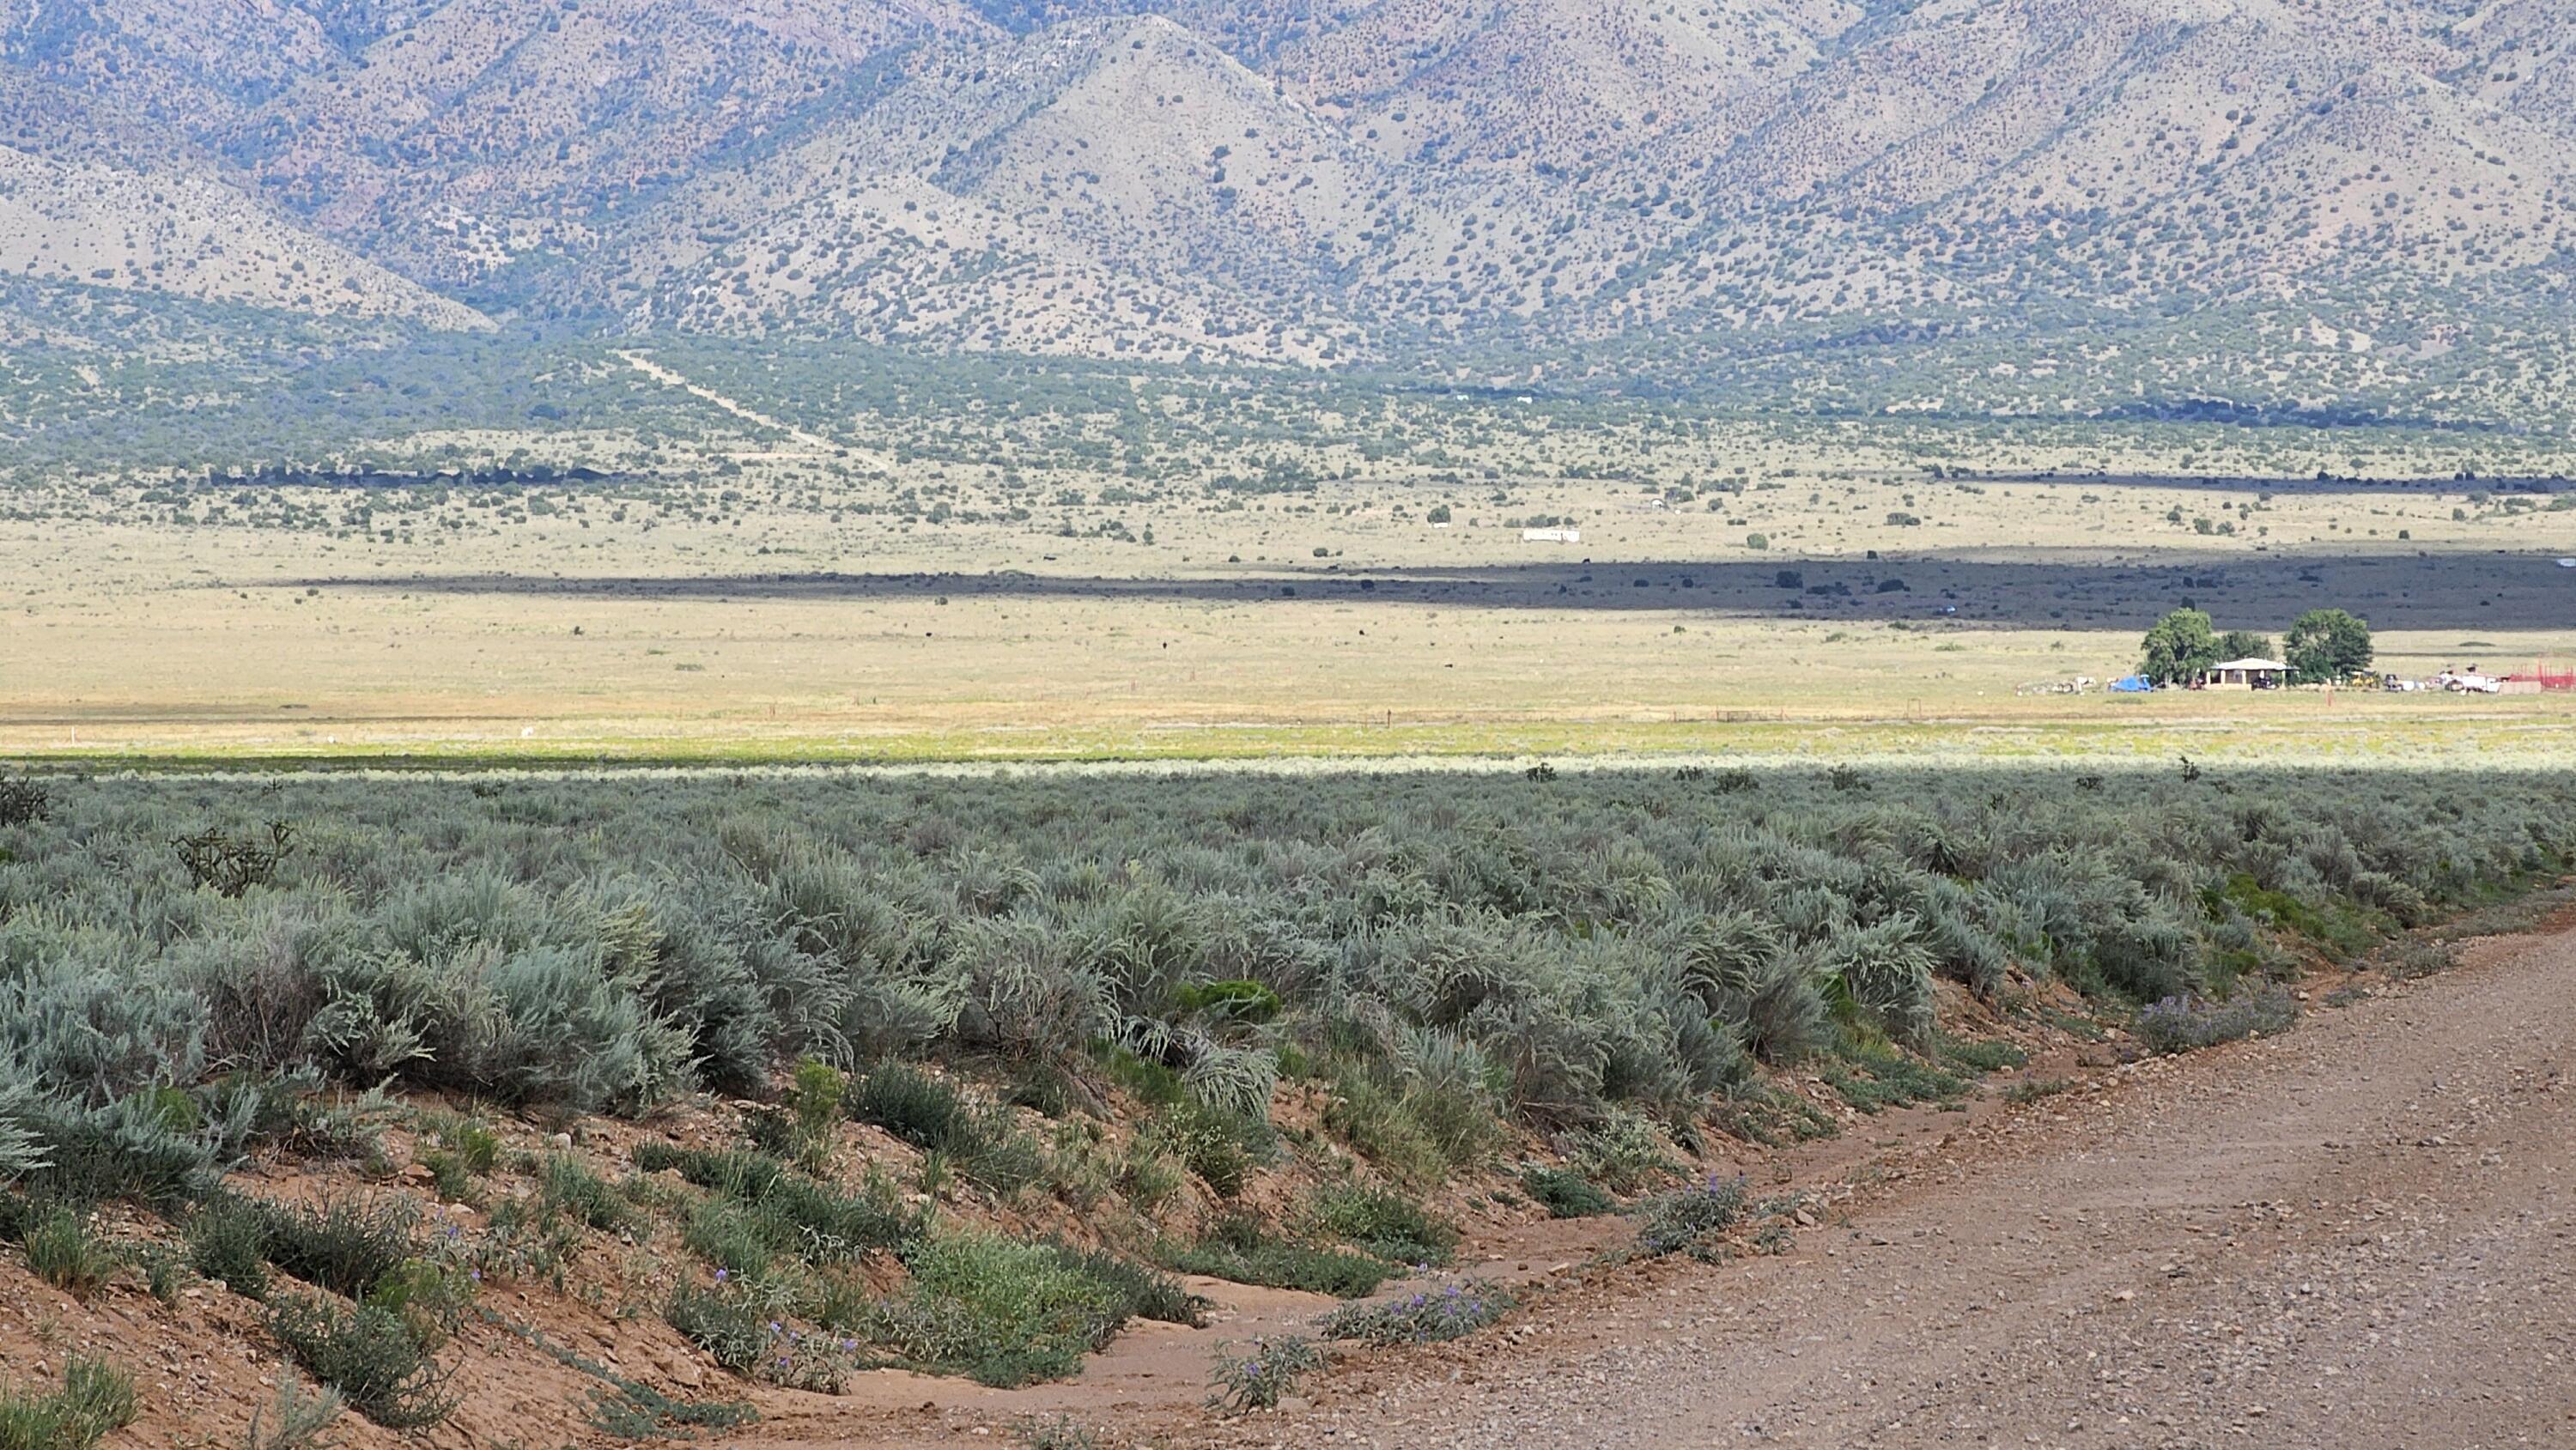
x=2132 y=684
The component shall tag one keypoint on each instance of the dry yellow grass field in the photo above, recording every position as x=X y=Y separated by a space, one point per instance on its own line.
x=1339 y=621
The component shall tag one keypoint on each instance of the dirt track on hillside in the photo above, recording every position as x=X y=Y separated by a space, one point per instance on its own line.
x=2357 y=1234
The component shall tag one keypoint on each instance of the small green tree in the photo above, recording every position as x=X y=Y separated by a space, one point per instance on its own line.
x=2244 y=644
x=2326 y=644
x=2180 y=646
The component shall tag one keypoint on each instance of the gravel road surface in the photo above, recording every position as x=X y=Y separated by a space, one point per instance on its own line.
x=2356 y=1234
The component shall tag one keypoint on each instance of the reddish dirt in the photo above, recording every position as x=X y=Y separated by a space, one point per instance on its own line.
x=2357 y=1233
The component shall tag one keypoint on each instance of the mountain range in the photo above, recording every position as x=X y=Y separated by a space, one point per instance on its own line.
x=2307 y=196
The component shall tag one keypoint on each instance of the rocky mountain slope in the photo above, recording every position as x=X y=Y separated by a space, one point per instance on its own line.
x=1658 y=187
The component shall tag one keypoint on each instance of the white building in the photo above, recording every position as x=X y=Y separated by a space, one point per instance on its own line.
x=2249 y=673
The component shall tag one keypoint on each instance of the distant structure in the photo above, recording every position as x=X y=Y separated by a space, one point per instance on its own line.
x=1551 y=536
x=2249 y=673
x=2544 y=675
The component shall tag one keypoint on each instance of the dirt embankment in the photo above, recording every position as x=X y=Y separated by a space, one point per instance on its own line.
x=2360 y=1233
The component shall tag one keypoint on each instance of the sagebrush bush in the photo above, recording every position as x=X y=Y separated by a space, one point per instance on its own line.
x=375 y=1358
x=127 y=1149
x=345 y=1243
x=1689 y=1218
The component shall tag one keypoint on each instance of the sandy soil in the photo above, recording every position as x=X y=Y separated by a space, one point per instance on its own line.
x=2355 y=1234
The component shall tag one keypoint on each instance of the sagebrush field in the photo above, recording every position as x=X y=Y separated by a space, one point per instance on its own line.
x=1272 y=1028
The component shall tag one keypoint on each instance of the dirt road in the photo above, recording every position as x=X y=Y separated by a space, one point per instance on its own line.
x=815 y=444
x=2359 y=1234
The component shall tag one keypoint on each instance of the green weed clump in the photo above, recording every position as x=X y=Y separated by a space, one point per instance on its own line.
x=1057 y=1432
x=802 y=1126
x=1265 y=1372
x=738 y=1323
x=465 y=1150
x=766 y=1209
x=2419 y=958
x=226 y=1240
x=1239 y=1247
x=1431 y=1110
x=980 y=1140
x=914 y=1106
x=1981 y=1056
x=566 y=1187
x=630 y=1411
x=1873 y=1078
x=345 y=1243
x=1566 y=1193
x=1143 y=1292
x=95 y=1398
x=23 y=802
x=64 y=1252
x=1003 y=1312
x=1623 y=1151
x=300 y=1418
x=1382 y=1225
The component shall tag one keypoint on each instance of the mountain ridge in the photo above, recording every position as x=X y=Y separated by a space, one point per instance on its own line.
x=1496 y=184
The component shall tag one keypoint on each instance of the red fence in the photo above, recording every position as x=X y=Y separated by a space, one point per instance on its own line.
x=2552 y=674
